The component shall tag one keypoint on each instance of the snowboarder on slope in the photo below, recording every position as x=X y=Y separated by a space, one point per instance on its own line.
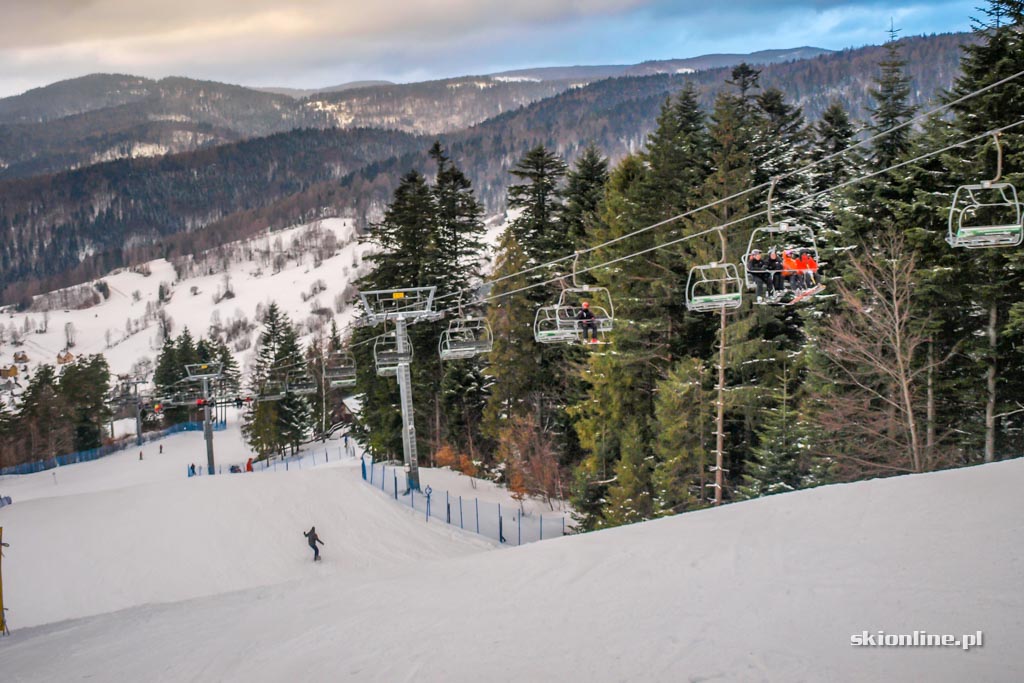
x=313 y=540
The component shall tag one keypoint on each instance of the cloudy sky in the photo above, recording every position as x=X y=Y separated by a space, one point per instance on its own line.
x=310 y=43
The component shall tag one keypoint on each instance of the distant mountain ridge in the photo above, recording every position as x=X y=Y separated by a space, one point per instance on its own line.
x=664 y=66
x=102 y=117
x=299 y=93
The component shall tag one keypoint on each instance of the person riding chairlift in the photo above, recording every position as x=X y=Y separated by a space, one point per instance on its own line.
x=588 y=323
x=792 y=271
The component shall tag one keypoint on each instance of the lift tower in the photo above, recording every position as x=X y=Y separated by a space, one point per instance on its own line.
x=392 y=353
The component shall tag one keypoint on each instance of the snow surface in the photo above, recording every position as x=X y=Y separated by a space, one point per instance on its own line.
x=216 y=583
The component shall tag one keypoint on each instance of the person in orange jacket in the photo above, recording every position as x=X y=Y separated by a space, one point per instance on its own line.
x=809 y=267
x=791 y=270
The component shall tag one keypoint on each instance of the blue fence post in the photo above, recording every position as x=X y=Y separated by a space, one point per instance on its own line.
x=373 y=466
x=477 y=514
x=563 y=525
x=460 y=513
x=447 y=508
x=383 y=476
x=520 y=518
x=501 y=526
x=412 y=497
x=542 y=527
x=396 y=486
x=362 y=465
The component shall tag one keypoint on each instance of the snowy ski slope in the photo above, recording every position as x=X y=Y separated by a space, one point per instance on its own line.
x=216 y=583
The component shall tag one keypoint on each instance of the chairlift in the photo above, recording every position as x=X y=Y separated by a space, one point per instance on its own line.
x=559 y=323
x=987 y=214
x=466 y=337
x=300 y=384
x=340 y=370
x=714 y=287
x=781 y=238
x=386 y=355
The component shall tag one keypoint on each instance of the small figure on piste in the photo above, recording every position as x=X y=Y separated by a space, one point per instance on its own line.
x=313 y=540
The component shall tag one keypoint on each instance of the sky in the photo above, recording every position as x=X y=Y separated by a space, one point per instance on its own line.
x=318 y=43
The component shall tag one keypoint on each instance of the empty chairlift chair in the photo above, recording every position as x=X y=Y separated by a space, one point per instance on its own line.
x=387 y=356
x=340 y=370
x=466 y=337
x=714 y=287
x=987 y=214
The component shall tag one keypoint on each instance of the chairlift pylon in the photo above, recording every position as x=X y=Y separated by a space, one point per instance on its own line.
x=986 y=214
x=559 y=323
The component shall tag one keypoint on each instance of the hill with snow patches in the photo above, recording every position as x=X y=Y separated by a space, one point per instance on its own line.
x=126 y=570
x=291 y=267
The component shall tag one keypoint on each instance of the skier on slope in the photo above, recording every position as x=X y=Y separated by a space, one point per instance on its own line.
x=313 y=540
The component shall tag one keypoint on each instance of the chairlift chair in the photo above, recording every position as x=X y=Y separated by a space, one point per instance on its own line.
x=559 y=323
x=300 y=384
x=340 y=370
x=782 y=237
x=465 y=337
x=987 y=214
x=386 y=355
x=714 y=287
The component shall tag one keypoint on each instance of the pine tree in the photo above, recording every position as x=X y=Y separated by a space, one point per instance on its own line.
x=459 y=225
x=84 y=385
x=513 y=363
x=892 y=95
x=537 y=228
x=779 y=462
x=683 y=429
x=584 y=189
x=629 y=498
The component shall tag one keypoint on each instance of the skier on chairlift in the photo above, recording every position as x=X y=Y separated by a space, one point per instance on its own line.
x=588 y=323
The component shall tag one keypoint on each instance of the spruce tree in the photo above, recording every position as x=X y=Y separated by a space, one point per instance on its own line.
x=629 y=497
x=779 y=462
x=584 y=189
x=892 y=108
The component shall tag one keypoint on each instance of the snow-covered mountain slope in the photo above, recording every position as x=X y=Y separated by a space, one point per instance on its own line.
x=125 y=326
x=771 y=589
x=122 y=532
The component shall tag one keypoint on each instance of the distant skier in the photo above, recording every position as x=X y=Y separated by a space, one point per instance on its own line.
x=140 y=455
x=313 y=540
x=192 y=470
x=161 y=449
x=248 y=465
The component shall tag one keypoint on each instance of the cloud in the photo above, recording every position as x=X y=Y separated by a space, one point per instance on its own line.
x=320 y=42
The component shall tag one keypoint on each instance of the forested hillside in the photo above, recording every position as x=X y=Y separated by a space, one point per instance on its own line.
x=905 y=362
x=75 y=226
x=100 y=118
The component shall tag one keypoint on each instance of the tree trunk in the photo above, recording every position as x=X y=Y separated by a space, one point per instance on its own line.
x=990 y=403
x=720 y=419
x=929 y=437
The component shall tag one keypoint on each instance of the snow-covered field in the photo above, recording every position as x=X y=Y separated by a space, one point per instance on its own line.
x=212 y=581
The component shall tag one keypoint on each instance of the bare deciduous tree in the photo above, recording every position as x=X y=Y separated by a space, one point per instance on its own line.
x=875 y=379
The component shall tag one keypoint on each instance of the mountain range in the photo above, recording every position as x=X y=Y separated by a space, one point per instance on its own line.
x=79 y=193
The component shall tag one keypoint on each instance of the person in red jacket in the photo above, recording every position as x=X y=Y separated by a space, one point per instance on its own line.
x=791 y=270
x=809 y=267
